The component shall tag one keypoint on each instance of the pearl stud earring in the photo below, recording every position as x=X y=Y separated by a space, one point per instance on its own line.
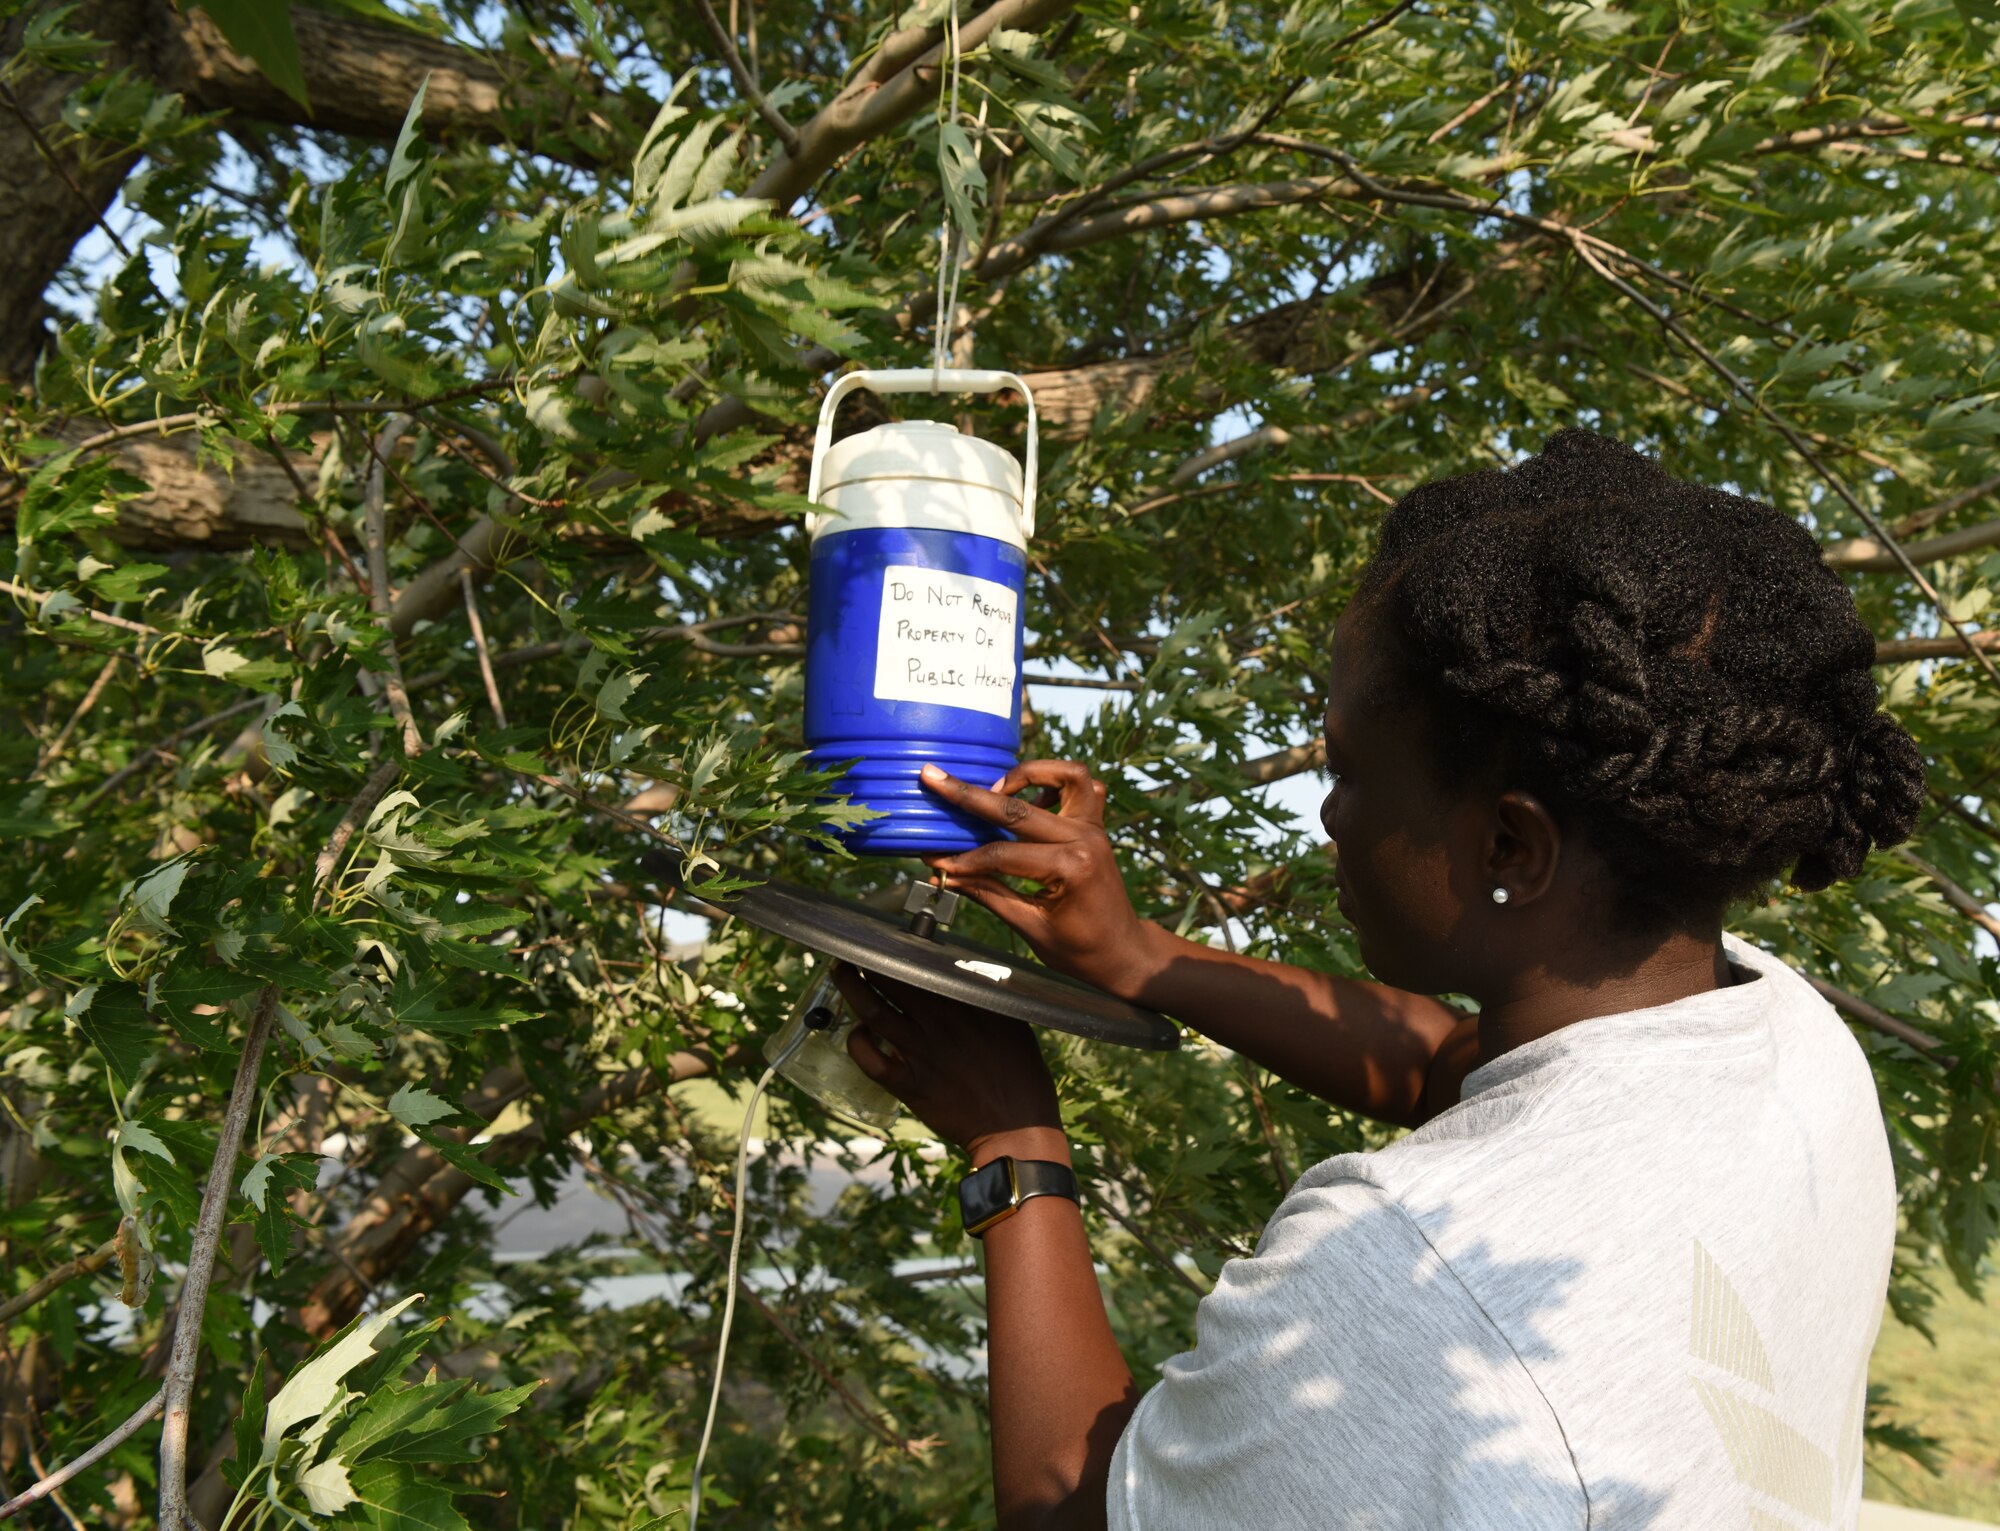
x=1499 y=895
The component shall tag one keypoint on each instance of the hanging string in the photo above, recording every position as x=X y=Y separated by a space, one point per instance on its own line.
x=951 y=239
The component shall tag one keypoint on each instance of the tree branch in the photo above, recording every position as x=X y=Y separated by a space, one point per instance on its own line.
x=1954 y=894
x=421 y=1188
x=1864 y=555
x=357 y=812
x=374 y=501
x=140 y=1418
x=761 y=103
x=1867 y=127
x=884 y=93
x=1903 y=650
x=1930 y=515
x=479 y=646
x=62 y=1275
x=1878 y=1020
x=178 y=1391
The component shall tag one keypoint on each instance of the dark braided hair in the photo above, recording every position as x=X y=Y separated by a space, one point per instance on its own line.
x=1672 y=669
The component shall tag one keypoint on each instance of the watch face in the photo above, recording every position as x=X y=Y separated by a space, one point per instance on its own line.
x=986 y=1193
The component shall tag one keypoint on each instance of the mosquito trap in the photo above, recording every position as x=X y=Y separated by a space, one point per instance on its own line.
x=913 y=657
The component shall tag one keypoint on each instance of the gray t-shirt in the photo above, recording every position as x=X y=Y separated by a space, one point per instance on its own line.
x=1630 y=1280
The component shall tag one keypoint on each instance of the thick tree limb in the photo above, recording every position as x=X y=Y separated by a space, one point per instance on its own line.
x=896 y=83
x=360 y=78
x=1903 y=650
x=420 y=1190
x=1869 y=127
x=1864 y=555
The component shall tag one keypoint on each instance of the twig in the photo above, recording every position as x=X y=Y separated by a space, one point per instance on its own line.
x=1930 y=515
x=193 y=1300
x=1206 y=491
x=1594 y=252
x=153 y=752
x=23 y=593
x=164 y=424
x=357 y=811
x=89 y=701
x=48 y=153
x=375 y=518
x=82 y=1265
x=90 y=1458
x=1257 y=1103
x=773 y=118
x=1951 y=805
x=1144 y=1240
x=488 y=474
x=479 y=644
x=1954 y=895
x=42 y=1468
x=1879 y=1020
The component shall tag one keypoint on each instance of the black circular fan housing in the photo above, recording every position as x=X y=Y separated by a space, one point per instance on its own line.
x=900 y=947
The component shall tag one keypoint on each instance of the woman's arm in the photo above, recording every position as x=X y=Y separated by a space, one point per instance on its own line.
x=1387 y=1053
x=1060 y=1392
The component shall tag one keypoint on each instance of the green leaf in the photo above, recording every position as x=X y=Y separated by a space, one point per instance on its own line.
x=429 y=1421
x=248 y=1426
x=153 y=896
x=394 y=1498
x=312 y=1390
x=113 y=1018
x=143 y=1139
x=964 y=181
x=455 y=1430
x=326 y=1487
x=191 y=982
x=414 y=1106
x=262 y=29
x=466 y=1157
x=268 y=1187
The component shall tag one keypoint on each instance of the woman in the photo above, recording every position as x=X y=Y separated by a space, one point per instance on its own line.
x=1627 y=1269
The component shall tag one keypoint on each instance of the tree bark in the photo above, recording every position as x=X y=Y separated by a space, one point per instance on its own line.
x=360 y=78
x=421 y=1188
x=53 y=190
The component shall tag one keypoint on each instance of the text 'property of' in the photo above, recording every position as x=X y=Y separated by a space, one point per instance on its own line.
x=946 y=639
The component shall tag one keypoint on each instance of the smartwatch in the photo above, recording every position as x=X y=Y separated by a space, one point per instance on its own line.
x=994 y=1192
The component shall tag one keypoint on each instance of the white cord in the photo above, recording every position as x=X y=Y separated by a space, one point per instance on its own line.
x=735 y=1251
x=951 y=241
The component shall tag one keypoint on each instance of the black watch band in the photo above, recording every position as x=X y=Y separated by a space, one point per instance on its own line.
x=994 y=1192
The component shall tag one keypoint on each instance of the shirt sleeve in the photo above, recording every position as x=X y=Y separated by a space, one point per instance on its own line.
x=1343 y=1378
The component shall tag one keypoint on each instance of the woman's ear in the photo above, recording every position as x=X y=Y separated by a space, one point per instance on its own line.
x=1524 y=850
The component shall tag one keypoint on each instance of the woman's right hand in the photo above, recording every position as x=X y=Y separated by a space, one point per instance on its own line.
x=1080 y=922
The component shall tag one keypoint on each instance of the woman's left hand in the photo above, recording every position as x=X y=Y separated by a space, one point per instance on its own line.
x=969 y=1074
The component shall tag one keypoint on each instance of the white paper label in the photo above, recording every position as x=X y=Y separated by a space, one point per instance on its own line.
x=946 y=639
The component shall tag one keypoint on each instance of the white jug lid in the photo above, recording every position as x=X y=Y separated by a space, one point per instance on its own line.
x=930 y=449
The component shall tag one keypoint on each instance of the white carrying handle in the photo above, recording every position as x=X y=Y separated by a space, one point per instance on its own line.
x=925 y=380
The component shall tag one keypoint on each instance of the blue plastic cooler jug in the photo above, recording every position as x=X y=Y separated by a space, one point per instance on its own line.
x=913 y=644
